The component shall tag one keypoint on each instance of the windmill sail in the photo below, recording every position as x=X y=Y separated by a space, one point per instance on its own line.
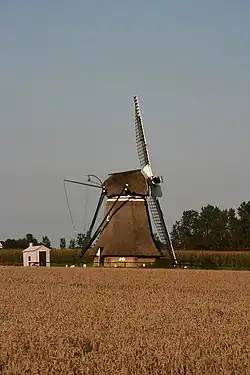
x=161 y=227
x=141 y=144
x=154 y=183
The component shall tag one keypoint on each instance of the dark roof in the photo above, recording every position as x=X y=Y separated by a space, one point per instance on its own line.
x=137 y=183
x=128 y=232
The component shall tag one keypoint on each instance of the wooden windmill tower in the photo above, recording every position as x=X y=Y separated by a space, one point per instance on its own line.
x=125 y=234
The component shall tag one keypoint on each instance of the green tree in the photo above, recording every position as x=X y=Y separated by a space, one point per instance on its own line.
x=244 y=224
x=185 y=231
x=72 y=244
x=176 y=236
x=31 y=239
x=46 y=241
x=212 y=229
x=189 y=228
x=232 y=230
x=80 y=240
x=62 y=243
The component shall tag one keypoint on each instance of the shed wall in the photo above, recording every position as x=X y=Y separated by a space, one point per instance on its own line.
x=34 y=257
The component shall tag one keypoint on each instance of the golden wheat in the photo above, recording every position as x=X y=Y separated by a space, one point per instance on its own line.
x=123 y=321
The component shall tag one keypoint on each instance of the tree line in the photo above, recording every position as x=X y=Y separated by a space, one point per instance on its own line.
x=210 y=229
x=22 y=243
x=213 y=229
x=74 y=243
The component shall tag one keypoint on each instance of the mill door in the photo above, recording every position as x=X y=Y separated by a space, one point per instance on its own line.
x=42 y=258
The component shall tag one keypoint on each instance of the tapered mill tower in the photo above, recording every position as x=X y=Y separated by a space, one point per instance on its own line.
x=127 y=234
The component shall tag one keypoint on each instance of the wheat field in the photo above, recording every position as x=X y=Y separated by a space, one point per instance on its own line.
x=123 y=321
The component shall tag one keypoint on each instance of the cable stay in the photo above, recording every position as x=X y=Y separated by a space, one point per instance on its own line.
x=83 y=183
x=67 y=199
x=86 y=184
x=86 y=223
x=69 y=208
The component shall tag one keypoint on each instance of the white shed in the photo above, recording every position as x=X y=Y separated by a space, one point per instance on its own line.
x=36 y=256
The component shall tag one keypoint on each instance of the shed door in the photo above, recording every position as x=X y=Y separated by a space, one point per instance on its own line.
x=42 y=258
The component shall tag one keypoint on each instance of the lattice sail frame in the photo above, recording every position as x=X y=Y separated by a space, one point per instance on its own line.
x=153 y=202
x=141 y=144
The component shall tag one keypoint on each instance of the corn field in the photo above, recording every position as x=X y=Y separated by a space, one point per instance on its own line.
x=206 y=259
x=124 y=321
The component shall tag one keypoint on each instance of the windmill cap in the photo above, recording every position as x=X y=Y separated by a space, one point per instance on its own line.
x=133 y=179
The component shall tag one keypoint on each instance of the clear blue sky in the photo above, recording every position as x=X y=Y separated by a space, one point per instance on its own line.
x=68 y=73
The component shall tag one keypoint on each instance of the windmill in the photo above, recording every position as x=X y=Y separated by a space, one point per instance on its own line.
x=125 y=233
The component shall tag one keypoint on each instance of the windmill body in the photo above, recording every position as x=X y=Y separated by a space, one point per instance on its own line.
x=127 y=238
x=125 y=234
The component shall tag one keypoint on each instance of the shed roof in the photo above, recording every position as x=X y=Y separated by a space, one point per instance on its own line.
x=35 y=248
